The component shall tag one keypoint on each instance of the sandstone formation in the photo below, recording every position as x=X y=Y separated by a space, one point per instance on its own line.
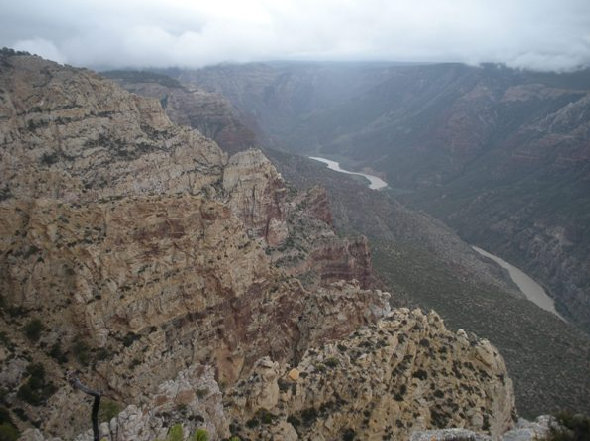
x=134 y=251
x=391 y=380
x=403 y=374
x=210 y=113
x=258 y=195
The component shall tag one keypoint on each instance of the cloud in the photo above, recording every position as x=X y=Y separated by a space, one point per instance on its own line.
x=541 y=34
x=41 y=47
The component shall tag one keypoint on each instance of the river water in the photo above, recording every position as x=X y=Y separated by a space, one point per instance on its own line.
x=375 y=183
x=531 y=289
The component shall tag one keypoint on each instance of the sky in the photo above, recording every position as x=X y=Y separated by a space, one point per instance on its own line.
x=529 y=34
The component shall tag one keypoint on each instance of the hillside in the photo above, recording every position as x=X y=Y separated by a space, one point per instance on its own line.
x=500 y=155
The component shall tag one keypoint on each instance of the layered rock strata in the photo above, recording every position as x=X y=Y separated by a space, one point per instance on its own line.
x=404 y=374
x=137 y=253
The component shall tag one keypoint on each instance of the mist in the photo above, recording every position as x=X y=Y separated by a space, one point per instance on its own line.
x=538 y=35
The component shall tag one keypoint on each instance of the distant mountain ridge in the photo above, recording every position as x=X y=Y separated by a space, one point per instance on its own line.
x=501 y=155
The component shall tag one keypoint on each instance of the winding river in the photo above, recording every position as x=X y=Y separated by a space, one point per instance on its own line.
x=531 y=289
x=375 y=183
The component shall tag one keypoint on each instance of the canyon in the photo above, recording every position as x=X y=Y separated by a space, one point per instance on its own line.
x=200 y=290
x=418 y=258
x=500 y=155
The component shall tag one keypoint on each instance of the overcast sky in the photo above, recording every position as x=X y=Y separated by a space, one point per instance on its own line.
x=537 y=34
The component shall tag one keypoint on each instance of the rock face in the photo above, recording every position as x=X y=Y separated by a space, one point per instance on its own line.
x=61 y=139
x=137 y=253
x=210 y=113
x=193 y=393
x=258 y=195
x=403 y=374
x=501 y=155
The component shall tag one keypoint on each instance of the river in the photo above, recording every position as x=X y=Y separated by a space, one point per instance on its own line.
x=375 y=183
x=531 y=289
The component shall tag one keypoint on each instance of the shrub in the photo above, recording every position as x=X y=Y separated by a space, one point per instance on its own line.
x=252 y=423
x=129 y=338
x=36 y=390
x=331 y=362
x=49 y=158
x=201 y=435
x=175 y=433
x=108 y=410
x=8 y=432
x=309 y=415
x=81 y=350
x=57 y=353
x=33 y=330
x=202 y=392
x=575 y=427
x=348 y=435
x=420 y=374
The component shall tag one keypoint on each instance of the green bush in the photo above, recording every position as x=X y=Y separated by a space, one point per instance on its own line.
x=331 y=362
x=8 y=431
x=348 y=435
x=108 y=410
x=201 y=435
x=175 y=433
x=57 y=353
x=81 y=350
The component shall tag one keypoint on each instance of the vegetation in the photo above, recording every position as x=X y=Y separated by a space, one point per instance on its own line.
x=176 y=433
x=108 y=410
x=331 y=362
x=36 y=390
x=348 y=435
x=201 y=435
x=33 y=330
x=135 y=76
x=6 y=52
x=574 y=427
x=8 y=431
x=82 y=351
x=57 y=353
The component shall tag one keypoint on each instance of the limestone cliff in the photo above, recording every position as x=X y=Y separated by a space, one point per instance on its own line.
x=210 y=113
x=137 y=248
x=137 y=253
x=403 y=374
x=392 y=380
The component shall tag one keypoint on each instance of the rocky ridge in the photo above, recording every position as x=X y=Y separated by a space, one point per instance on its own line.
x=393 y=379
x=136 y=252
x=403 y=374
x=210 y=113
